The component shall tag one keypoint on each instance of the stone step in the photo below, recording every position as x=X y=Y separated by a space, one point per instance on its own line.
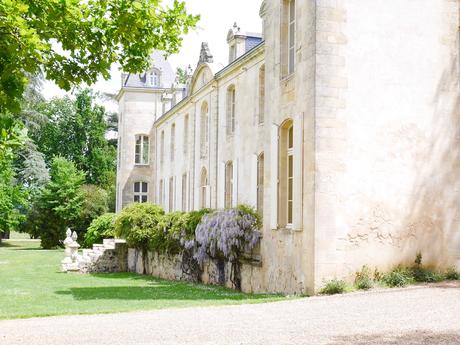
x=108 y=241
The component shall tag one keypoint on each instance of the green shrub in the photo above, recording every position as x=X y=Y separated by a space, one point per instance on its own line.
x=167 y=237
x=452 y=274
x=363 y=280
x=100 y=228
x=421 y=274
x=138 y=224
x=399 y=277
x=334 y=287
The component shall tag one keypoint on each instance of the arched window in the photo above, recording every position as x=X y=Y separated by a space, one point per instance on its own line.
x=142 y=150
x=262 y=94
x=141 y=190
x=260 y=183
x=203 y=188
x=286 y=173
x=231 y=110
x=229 y=184
x=162 y=147
x=172 y=145
x=204 y=131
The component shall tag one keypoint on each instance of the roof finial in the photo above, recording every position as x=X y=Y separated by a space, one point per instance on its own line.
x=205 y=54
x=236 y=28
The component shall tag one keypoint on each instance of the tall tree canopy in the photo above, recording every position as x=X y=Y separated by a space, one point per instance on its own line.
x=75 y=41
x=76 y=130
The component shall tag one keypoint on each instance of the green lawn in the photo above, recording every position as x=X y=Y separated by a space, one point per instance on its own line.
x=31 y=284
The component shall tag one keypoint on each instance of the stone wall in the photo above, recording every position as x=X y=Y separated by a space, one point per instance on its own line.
x=387 y=135
x=109 y=257
x=170 y=268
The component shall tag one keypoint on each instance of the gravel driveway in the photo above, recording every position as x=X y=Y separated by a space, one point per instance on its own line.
x=414 y=316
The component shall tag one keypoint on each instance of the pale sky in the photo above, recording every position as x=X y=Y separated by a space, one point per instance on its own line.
x=217 y=17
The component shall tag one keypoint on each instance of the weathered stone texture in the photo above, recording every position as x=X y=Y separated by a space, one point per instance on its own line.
x=170 y=268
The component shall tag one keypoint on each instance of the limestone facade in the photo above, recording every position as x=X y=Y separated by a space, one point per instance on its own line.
x=341 y=124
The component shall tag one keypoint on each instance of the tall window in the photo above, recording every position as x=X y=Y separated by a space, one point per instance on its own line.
x=290 y=173
x=184 y=192
x=203 y=188
x=228 y=185
x=172 y=145
x=286 y=174
x=171 y=194
x=291 y=36
x=204 y=132
x=260 y=183
x=141 y=190
x=288 y=37
x=231 y=110
x=142 y=149
x=262 y=94
x=186 y=119
x=161 y=193
x=162 y=147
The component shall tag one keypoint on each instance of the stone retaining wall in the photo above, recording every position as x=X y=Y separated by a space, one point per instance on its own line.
x=170 y=268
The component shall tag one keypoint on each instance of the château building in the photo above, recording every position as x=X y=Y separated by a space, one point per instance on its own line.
x=340 y=123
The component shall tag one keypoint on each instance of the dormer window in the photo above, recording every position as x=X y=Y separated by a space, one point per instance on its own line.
x=154 y=78
x=232 y=53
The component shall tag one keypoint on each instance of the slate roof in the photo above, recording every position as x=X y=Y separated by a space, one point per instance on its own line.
x=167 y=75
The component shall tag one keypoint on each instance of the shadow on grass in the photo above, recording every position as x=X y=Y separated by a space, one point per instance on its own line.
x=4 y=244
x=409 y=338
x=160 y=291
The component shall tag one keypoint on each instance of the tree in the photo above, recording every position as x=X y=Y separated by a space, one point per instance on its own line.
x=76 y=130
x=89 y=36
x=95 y=204
x=181 y=75
x=12 y=196
x=58 y=206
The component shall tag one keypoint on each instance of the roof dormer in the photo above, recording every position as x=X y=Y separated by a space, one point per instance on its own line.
x=239 y=43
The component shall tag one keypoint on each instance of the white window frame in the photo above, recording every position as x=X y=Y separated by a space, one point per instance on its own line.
x=184 y=192
x=154 y=78
x=228 y=184
x=161 y=194
x=172 y=146
x=204 y=130
x=186 y=129
x=171 y=193
x=231 y=107
x=290 y=177
x=260 y=183
x=204 y=188
x=141 y=194
x=291 y=43
x=162 y=147
x=140 y=156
